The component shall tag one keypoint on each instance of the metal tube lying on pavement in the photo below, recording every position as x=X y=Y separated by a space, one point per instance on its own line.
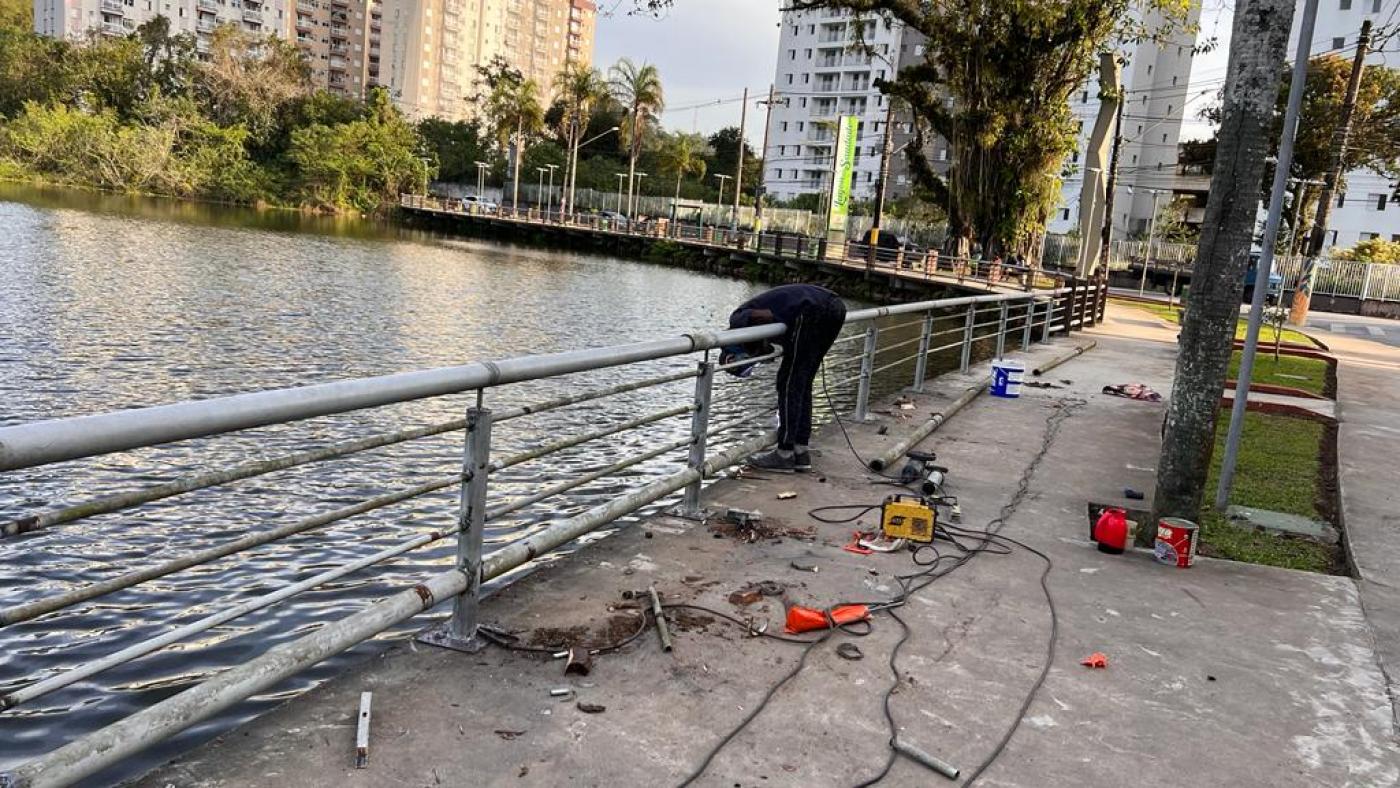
x=1058 y=360
x=660 y=616
x=926 y=429
x=102 y=748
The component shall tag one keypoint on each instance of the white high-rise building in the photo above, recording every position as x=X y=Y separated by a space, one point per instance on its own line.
x=1157 y=98
x=1363 y=207
x=818 y=80
x=73 y=19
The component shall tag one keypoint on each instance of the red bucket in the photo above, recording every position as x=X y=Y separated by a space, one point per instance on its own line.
x=1176 y=541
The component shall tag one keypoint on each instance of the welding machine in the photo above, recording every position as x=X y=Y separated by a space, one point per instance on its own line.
x=907 y=517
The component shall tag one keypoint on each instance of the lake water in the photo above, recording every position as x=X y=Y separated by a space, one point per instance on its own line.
x=114 y=302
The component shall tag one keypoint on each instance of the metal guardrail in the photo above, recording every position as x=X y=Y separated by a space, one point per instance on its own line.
x=904 y=261
x=952 y=325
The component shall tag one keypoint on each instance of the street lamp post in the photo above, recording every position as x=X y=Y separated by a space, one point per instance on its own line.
x=636 y=192
x=621 y=176
x=539 y=192
x=481 y=168
x=568 y=206
x=1151 y=231
x=722 y=178
x=552 y=168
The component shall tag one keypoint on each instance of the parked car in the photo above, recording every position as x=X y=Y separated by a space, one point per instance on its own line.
x=888 y=244
x=476 y=204
x=615 y=219
x=1271 y=297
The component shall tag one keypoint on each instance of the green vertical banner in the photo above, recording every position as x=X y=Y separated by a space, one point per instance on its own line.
x=845 y=169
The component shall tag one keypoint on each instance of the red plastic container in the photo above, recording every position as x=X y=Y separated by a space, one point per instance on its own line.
x=1176 y=542
x=1111 y=531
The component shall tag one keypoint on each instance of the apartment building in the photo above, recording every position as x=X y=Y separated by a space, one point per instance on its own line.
x=432 y=48
x=74 y=18
x=819 y=78
x=1157 y=98
x=1364 y=206
x=339 y=41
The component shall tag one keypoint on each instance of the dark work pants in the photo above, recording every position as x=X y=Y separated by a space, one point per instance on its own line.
x=804 y=347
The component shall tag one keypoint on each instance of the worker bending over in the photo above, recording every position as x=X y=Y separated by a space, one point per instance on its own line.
x=813 y=316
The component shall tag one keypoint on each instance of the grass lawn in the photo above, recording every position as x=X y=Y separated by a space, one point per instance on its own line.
x=1277 y=470
x=1287 y=371
x=1173 y=315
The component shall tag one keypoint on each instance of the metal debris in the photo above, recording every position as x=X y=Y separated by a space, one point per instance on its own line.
x=591 y=708
x=660 y=617
x=362 y=732
x=580 y=662
x=849 y=651
x=786 y=495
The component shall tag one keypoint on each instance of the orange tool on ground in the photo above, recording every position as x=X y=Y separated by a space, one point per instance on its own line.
x=805 y=619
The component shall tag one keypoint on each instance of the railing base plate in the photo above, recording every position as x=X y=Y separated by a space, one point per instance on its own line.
x=442 y=636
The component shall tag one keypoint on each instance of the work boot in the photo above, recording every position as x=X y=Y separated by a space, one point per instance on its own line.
x=774 y=460
x=802 y=461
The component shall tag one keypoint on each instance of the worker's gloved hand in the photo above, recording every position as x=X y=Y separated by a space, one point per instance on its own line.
x=735 y=354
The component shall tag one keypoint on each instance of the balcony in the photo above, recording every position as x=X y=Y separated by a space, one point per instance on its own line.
x=254 y=17
x=206 y=25
x=113 y=7
x=208 y=5
x=113 y=29
x=339 y=32
x=339 y=49
x=336 y=64
x=304 y=23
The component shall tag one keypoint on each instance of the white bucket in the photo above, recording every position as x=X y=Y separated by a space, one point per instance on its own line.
x=1007 y=375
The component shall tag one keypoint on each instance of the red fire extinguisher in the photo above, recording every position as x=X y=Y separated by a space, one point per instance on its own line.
x=1111 y=531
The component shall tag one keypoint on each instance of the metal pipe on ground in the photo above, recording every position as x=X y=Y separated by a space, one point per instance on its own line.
x=1062 y=358
x=892 y=455
x=100 y=749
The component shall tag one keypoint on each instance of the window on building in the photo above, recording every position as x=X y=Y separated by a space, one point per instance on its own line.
x=806 y=78
x=802 y=102
x=800 y=125
x=1164 y=139
x=1395 y=238
x=1334 y=238
x=1064 y=214
x=1375 y=6
x=789 y=79
x=794 y=29
x=811 y=29
x=1346 y=5
x=1169 y=109
x=784 y=124
x=1135 y=159
x=1377 y=201
x=1083 y=97
x=869 y=176
x=1341 y=199
x=1149 y=69
x=1139 y=128
x=1173 y=80
x=1339 y=42
x=792 y=54
x=809 y=54
x=1074 y=157
x=1369 y=236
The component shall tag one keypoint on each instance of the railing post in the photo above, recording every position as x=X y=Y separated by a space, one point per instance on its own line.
x=1103 y=300
x=1026 y=329
x=921 y=364
x=699 y=426
x=1069 y=305
x=459 y=633
x=967 y=336
x=1049 y=317
x=1001 y=329
x=1085 y=319
x=867 y=364
x=1366 y=281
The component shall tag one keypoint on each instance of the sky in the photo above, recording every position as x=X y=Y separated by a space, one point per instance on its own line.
x=708 y=51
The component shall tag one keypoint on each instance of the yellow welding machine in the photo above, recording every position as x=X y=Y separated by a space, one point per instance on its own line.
x=907 y=517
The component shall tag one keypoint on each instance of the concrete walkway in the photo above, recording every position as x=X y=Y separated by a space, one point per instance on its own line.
x=1223 y=674
x=1368 y=442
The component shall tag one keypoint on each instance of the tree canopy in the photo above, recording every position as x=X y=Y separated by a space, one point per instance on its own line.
x=142 y=113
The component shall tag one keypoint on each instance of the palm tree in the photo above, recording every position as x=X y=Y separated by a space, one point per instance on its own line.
x=684 y=154
x=581 y=89
x=638 y=88
x=513 y=110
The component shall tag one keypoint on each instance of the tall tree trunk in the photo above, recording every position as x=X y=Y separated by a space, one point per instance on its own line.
x=1217 y=279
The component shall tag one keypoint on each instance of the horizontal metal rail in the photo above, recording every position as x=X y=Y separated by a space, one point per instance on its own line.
x=43 y=442
x=125 y=500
